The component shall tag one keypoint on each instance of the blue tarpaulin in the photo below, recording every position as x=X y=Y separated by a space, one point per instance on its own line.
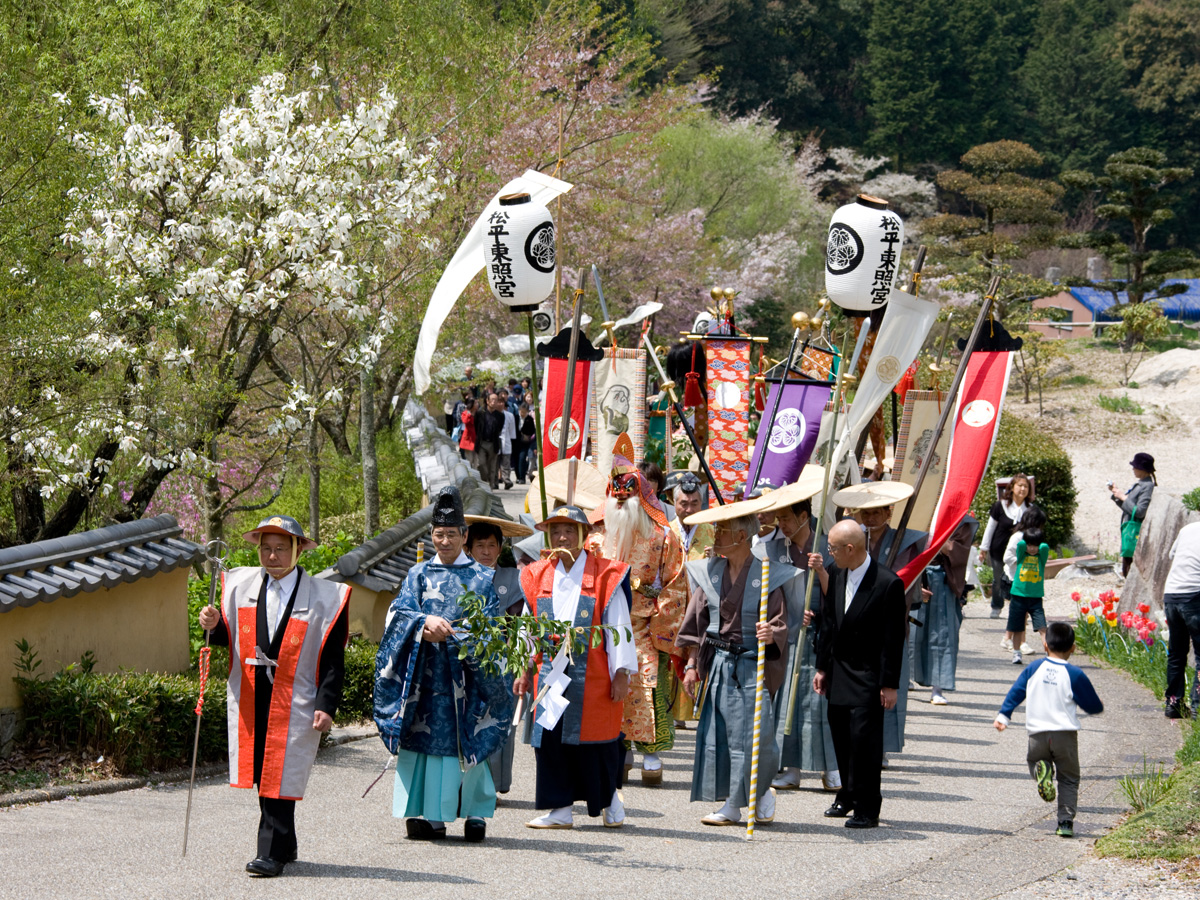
x=1184 y=306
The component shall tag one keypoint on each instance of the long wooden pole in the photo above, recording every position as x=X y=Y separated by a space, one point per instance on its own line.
x=959 y=373
x=539 y=442
x=760 y=677
x=215 y=551
x=564 y=424
x=764 y=434
x=794 y=677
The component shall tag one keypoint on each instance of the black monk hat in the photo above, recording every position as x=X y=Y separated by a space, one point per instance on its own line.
x=448 y=509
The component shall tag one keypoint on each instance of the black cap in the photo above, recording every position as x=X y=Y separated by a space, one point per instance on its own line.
x=1143 y=461
x=448 y=509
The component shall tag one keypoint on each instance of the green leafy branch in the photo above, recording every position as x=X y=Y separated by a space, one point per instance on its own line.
x=509 y=644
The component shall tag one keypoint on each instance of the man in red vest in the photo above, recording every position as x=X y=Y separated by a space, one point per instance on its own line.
x=580 y=700
x=286 y=633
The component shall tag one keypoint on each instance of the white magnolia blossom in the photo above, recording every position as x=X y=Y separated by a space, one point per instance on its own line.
x=201 y=242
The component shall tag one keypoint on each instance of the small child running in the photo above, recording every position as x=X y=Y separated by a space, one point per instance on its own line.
x=1055 y=690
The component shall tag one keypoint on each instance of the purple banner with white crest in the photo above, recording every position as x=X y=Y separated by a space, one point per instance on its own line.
x=793 y=436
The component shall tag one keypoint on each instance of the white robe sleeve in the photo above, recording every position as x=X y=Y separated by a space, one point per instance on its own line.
x=621 y=655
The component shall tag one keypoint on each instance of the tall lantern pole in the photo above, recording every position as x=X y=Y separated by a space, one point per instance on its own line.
x=521 y=266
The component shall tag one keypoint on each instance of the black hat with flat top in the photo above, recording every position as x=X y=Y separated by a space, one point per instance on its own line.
x=448 y=509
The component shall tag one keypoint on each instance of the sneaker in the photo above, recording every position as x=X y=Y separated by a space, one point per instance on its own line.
x=1006 y=643
x=1045 y=782
x=1025 y=648
x=1065 y=829
x=1176 y=709
x=1016 y=660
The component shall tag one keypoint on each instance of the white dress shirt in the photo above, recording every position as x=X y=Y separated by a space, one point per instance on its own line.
x=854 y=578
x=278 y=592
x=568 y=587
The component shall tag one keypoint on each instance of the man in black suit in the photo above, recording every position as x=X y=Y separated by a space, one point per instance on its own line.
x=859 y=653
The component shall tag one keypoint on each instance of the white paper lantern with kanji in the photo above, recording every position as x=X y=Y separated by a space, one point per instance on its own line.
x=862 y=255
x=519 y=255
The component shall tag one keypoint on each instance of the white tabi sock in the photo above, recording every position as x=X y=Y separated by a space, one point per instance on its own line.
x=833 y=778
x=560 y=816
x=766 y=806
x=651 y=762
x=616 y=808
x=731 y=812
x=629 y=757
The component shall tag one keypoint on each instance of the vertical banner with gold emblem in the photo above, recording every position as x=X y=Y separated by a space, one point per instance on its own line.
x=728 y=412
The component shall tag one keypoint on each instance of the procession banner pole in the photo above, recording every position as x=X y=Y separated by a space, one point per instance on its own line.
x=794 y=675
x=984 y=313
x=764 y=434
x=215 y=551
x=669 y=387
x=537 y=423
x=564 y=424
x=760 y=677
x=600 y=294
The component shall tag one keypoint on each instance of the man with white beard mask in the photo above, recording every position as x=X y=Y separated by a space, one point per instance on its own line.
x=635 y=532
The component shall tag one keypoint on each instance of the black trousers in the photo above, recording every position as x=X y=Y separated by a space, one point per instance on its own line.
x=570 y=772
x=276 y=828
x=1183 y=619
x=858 y=743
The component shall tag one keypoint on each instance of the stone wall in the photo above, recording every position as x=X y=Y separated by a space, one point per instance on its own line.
x=1151 y=561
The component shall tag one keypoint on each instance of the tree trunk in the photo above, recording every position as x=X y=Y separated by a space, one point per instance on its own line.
x=366 y=446
x=29 y=512
x=212 y=497
x=314 y=480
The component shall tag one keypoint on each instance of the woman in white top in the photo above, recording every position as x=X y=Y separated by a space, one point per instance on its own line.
x=1002 y=519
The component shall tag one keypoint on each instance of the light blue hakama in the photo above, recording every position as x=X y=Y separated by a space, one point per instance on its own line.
x=436 y=788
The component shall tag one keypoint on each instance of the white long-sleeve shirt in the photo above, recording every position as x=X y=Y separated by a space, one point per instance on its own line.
x=1184 y=576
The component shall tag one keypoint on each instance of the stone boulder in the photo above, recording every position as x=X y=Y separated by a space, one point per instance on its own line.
x=1151 y=562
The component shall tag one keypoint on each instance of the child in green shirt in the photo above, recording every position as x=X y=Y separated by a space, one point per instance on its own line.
x=1029 y=580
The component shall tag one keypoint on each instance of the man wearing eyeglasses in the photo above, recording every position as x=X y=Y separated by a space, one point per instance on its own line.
x=859 y=653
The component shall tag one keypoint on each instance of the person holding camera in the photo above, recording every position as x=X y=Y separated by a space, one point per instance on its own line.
x=1134 y=503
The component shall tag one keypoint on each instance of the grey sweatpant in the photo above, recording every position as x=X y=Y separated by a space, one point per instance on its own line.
x=1061 y=750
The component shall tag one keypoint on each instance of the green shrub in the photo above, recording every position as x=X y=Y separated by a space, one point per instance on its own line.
x=1120 y=404
x=1145 y=788
x=1191 y=500
x=1078 y=380
x=358 y=693
x=141 y=722
x=1023 y=447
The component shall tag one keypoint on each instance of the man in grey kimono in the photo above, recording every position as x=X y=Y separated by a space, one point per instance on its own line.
x=721 y=637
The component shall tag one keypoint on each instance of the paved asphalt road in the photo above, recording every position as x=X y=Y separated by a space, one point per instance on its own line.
x=961 y=819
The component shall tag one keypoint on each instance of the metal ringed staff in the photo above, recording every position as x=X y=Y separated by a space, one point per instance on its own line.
x=215 y=552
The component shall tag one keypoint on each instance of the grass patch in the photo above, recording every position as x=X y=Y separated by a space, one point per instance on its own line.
x=21 y=780
x=1143 y=789
x=1078 y=380
x=1122 y=404
x=1169 y=829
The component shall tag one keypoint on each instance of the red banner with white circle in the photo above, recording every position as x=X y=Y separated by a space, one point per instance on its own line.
x=555 y=393
x=976 y=421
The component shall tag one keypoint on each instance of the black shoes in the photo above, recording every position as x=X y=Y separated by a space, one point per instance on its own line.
x=838 y=810
x=421 y=830
x=857 y=821
x=474 y=830
x=264 y=867
x=1176 y=709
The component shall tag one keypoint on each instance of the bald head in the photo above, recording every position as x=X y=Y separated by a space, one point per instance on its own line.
x=848 y=544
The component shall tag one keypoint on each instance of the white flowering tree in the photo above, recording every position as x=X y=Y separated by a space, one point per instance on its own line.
x=203 y=246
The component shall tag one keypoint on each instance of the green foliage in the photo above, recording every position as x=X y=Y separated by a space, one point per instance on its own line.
x=1023 y=447
x=1164 y=830
x=509 y=644
x=137 y=721
x=1191 y=500
x=1078 y=380
x=1145 y=788
x=358 y=690
x=21 y=780
x=1120 y=404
